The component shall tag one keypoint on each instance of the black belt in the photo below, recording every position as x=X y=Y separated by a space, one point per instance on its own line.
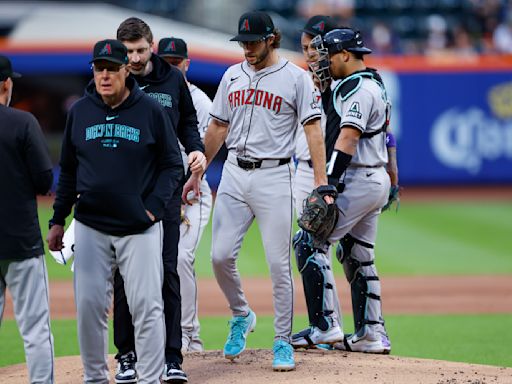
x=265 y=163
x=365 y=166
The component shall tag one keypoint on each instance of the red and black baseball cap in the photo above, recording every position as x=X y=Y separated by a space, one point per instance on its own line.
x=172 y=47
x=6 y=69
x=319 y=25
x=254 y=26
x=110 y=50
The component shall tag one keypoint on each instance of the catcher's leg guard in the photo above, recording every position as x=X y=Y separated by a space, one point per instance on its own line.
x=317 y=290
x=357 y=258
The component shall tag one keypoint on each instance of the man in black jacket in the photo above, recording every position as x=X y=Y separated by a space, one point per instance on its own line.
x=120 y=156
x=26 y=171
x=167 y=85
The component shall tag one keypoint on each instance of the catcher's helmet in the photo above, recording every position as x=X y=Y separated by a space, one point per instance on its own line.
x=344 y=39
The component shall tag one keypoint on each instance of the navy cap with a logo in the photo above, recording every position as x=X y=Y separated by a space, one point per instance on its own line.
x=254 y=26
x=6 y=69
x=319 y=25
x=110 y=50
x=172 y=47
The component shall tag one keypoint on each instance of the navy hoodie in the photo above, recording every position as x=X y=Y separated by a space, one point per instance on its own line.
x=116 y=163
x=167 y=85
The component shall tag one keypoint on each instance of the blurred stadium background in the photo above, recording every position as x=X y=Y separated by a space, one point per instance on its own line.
x=447 y=65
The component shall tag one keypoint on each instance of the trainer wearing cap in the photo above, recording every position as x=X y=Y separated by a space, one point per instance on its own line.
x=194 y=217
x=26 y=171
x=121 y=158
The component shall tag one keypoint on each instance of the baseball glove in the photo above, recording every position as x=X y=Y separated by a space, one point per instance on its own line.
x=394 y=196
x=319 y=217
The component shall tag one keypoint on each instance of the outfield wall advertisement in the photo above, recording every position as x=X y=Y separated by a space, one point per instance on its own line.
x=454 y=128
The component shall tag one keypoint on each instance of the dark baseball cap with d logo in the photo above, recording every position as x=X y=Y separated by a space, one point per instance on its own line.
x=6 y=69
x=172 y=47
x=110 y=50
x=319 y=25
x=254 y=26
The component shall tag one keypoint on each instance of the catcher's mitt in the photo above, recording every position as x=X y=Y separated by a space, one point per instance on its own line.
x=319 y=217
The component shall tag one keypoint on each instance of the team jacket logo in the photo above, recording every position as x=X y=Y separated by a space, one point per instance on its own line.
x=245 y=26
x=163 y=98
x=259 y=98
x=106 y=50
x=111 y=133
x=354 y=110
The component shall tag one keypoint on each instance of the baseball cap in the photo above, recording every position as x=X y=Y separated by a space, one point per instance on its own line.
x=110 y=50
x=172 y=47
x=6 y=69
x=254 y=26
x=345 y=39
x=319 y=25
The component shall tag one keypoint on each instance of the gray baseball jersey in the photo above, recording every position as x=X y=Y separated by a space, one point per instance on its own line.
x=366 y=110
x=262 y=109
x=196 y=217
x=274 y=99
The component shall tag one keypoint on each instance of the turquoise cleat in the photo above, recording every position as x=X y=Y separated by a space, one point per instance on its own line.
x=239 y=328
x=283 y=356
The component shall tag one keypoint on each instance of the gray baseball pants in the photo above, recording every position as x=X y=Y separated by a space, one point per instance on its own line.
x=264 y=194
x=139 y=259
x=27 y=281
x=198 y=215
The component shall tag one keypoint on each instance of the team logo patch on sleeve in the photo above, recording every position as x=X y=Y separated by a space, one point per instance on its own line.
x=354 y=110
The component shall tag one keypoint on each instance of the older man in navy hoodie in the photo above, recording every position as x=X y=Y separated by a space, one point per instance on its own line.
x=120 y=164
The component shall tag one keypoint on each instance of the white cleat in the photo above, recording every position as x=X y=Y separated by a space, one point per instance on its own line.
x=312 y=336
x=379 y=344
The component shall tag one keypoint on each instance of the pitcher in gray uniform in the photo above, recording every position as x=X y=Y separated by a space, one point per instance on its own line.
x=195 y=216
x=358 y=168
x=256 y=111
x=26 y=171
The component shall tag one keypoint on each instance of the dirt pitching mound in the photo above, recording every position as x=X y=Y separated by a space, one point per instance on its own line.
x=313 y=366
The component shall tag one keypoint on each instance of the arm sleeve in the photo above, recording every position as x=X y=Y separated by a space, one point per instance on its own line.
x=326 y=99
x=220 y=109
x=169 y=164
x=187 y=124
x=37 y=157
x=307 y=104
x=66 y=187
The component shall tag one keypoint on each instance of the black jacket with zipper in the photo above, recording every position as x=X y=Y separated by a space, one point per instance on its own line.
x=117 y=163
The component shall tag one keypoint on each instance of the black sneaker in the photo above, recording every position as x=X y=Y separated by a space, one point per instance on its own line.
x=125 y=372
x=174 y=374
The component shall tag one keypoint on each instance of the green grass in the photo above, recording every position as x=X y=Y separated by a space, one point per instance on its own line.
x=467 y=238
x=478 y=339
